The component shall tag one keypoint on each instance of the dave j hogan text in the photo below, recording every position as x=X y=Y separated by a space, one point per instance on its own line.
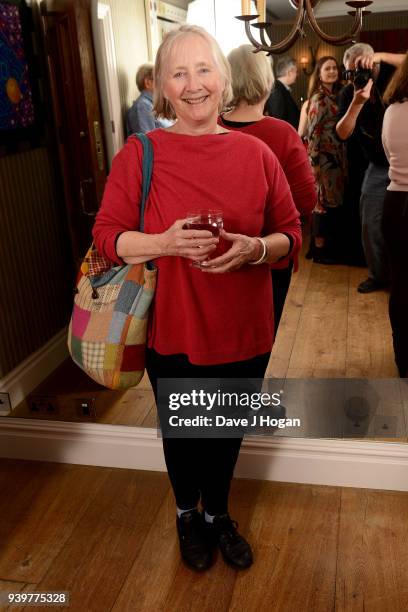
x=256 y=420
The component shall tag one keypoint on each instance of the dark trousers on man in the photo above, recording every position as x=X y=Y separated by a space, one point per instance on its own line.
x=395 y=227
x=201 y=467
x=373 y=193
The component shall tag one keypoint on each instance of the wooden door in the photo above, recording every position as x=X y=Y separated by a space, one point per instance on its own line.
x=71 y=66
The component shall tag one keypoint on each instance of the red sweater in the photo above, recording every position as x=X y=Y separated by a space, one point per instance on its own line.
x=287 y=145
x=210 y=318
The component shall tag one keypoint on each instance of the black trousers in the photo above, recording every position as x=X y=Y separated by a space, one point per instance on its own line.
x=280 y=286
x=201 y=467
x=395 y=230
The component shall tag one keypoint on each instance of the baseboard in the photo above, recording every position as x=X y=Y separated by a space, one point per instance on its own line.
x=81 y=443
x=349 y=463
x=32 y=371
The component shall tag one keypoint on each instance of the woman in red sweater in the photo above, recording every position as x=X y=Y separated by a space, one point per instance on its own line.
x=252 y=81
x=213 y=319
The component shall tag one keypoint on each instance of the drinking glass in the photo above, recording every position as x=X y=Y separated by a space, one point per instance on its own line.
x=205 y=219
x=210 y=220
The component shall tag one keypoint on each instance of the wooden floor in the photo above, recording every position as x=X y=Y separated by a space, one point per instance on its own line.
x=108 y=537
x=328 y=330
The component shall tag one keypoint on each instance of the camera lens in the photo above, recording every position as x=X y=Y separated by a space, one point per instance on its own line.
x=361 y=77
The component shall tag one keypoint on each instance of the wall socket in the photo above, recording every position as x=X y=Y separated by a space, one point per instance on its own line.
x=5 y=404
x=85 y=407
x=43 y=404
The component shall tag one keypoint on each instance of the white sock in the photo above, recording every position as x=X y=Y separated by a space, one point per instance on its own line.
x=209 y=518
x=180 y=511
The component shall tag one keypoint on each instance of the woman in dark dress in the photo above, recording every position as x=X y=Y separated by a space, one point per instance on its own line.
x=327 y=156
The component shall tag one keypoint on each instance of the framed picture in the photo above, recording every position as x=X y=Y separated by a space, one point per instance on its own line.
x=18 y=88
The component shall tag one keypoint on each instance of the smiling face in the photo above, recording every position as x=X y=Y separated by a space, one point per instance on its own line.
x=193 y=84
x=329 y=73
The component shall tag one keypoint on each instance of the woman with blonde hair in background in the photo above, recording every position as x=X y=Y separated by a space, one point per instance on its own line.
x=252 y=80
x=327 y=156
x=395 y=218
x=212 y=319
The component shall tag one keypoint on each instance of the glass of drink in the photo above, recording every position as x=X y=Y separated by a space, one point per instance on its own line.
x=208 y=219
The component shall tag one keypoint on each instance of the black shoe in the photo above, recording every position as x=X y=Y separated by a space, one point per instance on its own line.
x=370 y=285
x=326 y=261
x=234 y=548
x=196 y=547
x=321 y=256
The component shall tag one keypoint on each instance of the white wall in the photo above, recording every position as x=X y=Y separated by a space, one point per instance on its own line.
x=129 y=28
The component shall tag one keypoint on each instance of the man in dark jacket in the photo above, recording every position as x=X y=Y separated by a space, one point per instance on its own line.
x=280 y=103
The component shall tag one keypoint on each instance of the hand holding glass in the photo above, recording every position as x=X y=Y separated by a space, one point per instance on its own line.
x=209 y=220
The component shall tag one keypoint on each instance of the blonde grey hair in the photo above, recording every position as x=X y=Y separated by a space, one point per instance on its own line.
x=283 y=65
x=145 y=71
x=162 y=106
x=252 y=77
x=355 y=50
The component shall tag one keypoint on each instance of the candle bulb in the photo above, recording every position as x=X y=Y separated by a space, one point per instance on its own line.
x=261 y=10
x=245 y=7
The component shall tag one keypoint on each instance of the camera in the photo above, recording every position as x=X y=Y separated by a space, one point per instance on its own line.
x=359 y=76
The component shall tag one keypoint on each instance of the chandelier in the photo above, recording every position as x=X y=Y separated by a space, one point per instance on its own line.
x=304 y=13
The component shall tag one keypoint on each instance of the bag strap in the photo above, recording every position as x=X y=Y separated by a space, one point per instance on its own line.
x=147 y=170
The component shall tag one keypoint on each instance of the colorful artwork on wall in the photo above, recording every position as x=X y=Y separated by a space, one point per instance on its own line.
x=16 y=103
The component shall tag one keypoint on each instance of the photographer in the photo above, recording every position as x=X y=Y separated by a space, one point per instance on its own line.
x=361 y=111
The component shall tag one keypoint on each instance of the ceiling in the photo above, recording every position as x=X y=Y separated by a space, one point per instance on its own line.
x=281 y=9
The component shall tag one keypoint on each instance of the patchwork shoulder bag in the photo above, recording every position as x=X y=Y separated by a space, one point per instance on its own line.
x=108 y=328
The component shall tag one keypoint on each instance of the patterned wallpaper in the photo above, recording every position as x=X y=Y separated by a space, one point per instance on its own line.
x=35 y=260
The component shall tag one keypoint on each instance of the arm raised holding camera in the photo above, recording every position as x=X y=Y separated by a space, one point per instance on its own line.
x=364 y=61
x=345 y=127
x=369 y=60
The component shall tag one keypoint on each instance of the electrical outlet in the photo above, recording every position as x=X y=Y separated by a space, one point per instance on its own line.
x=5 y=404
x=85 y=407
x=43 y=404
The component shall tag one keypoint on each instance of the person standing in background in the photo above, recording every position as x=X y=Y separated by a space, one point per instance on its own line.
x=361 y=112
x=280 y=103
x=395 y=219
x=252 y=79
x=139 y=117
x=327 y=156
